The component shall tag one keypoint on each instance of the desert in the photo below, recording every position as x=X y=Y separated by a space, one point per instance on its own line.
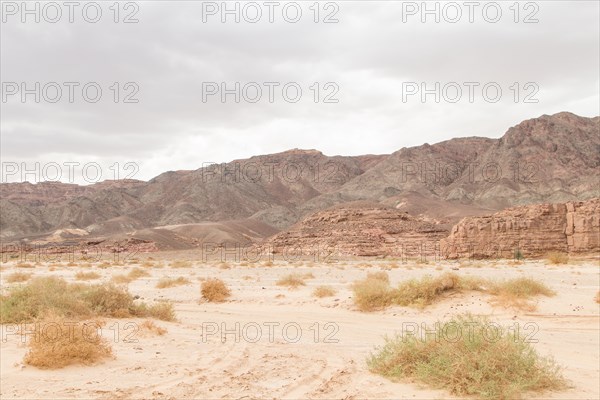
x=268 y=340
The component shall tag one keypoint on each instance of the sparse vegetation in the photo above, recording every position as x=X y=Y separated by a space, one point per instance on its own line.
x=470 y=365
x=44 y=296
x=292 y=281
x=324 y=291
x=120 y=279
x=61 y=346
x=214 y=290
x=85 y=276
x=374 y=292
x=18 y=277
x=597 y=298
x=557 y=258
x=181 y=264
x=171 y=282
x=24 y=265
x=381 y=275
x=137 y=273
x=151 y=327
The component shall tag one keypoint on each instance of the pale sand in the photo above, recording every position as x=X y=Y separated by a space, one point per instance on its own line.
x=184 y=364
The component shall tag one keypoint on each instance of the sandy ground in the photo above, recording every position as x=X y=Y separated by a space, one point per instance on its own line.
x=306 y=347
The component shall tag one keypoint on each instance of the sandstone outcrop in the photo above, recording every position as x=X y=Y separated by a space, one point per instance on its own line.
x=360 y=229
x=532 y=231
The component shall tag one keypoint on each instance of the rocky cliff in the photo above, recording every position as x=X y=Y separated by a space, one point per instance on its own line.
x=535 y=230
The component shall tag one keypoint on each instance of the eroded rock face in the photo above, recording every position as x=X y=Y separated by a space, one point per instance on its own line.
x=535 y=230
x=361 y=230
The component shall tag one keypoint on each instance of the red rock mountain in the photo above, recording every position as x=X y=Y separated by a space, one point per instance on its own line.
x=547 y=159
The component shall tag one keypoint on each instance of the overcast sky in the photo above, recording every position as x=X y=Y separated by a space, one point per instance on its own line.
x=374 y=58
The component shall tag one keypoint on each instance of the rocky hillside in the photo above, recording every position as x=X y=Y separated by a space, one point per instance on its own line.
x=535 y=230
x=359 y=229
x=547 y=159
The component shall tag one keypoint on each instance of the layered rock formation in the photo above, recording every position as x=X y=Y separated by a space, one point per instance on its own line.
x=535 y=230
x=361 y=229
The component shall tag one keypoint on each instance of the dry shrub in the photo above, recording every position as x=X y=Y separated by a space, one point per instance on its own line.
x=224 y=265
x=24 y=265
x=148 y=264
x=381 y=275
x=104 y=265
x=58 y=345
x=136 y=273
x=120 y=279
x=557 y=258
x=372 y=294
x=18 y=277
x=324 y=291
x=50 y=295
x=151 y=327
x=291 y=281
x=308 y=275
x=181 y=264
x=171 y=282
x=470 y=364
x=597 y=298
x=517 y=292
x=425 y=291
x=268 y=263
x=214 y=290
x=85 y=276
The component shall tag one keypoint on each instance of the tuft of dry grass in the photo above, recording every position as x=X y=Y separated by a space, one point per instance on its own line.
x=56 y=345
x=291 y=281
x=324 y=291
x=224 y=265
x=18 y=277
x=24 y=265
x=557 y=258
x=517 y=292
x=181 y=264
x=86 y=276
x=151 y=327
x=120 y=279
x=469 y=364
x=372 y=294
x=136 y=273
x=381 y=275
x=171 y=282
x=214 y=290
x=597 y=298
x=44 y=296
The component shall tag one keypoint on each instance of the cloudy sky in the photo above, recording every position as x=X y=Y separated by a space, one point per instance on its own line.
x=361 y=66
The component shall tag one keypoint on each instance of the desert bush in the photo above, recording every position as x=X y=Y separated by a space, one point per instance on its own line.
x=470 y=364
x=136 y=273
x=120 y=279
x=50 y=295
x=324 y=291
x=181 y=264
x=557 y=258
x=64 y=346
x=17 y=277
x=161 y=310
x=85 y=276
x=372 y=294
x=24 y=265
x=424 y=291
x=224 y=265
x=214 y=290
x=381 y=275
x=517 y=292
x=151 y=327
x=170 y=282
x=597 y=298
x=291 y=281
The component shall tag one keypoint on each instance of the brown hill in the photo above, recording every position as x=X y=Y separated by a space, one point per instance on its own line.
x=558 y=159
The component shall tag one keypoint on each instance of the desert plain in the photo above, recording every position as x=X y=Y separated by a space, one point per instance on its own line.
x=268 y=340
